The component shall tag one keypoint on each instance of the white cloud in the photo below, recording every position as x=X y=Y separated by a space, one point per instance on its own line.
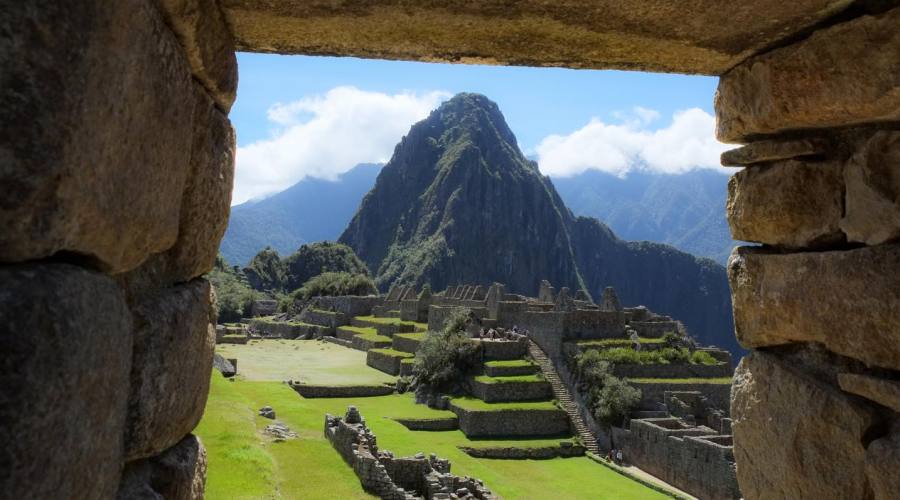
x=324 y=136
x=688 y=143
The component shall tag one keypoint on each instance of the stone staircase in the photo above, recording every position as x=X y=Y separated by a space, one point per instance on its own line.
x=562 y=395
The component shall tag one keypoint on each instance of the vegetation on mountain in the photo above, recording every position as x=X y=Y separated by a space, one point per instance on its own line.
x=267 y=271
x=665 y=356
x=459 y=202
x=234 y=296
x=335 y=284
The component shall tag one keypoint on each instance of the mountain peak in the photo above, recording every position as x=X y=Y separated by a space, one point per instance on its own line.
x=472 y=113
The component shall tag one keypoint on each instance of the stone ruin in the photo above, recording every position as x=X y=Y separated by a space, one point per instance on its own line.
x=103 y=99
x=396 y=478
x=688 y=444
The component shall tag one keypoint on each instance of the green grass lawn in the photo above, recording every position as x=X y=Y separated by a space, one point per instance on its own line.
x=308 y=361
x=394 y=353
x=244 y=464
x=617 y=342
x=509 y=363
x=695 y=380
x=505 y=380
x=412 y=336
x=360 y=330
x=469 y=403
x=394 y=321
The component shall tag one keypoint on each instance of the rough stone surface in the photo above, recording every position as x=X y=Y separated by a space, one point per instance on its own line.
x=93 y=131
x=703 y=36
x=847 y=300
x=842 y=75
x=765 y=151
x=207 y=197
x=178 y=473
x=882 y=464
x=795 y=436
x=792 y=204
x=224 y=366
x=173 y=352
x=64 y=370
x=882 y=391
x=209 y=45
x=872 y=177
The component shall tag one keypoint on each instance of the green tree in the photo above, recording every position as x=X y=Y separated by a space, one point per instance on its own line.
x=446 y=357
x=234 y=297
x=336 y=284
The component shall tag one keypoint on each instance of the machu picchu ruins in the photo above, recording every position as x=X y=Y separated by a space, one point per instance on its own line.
x=527 y=383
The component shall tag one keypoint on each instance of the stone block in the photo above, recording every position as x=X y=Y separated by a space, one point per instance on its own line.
x=882 y=391
x=173 y=354
x=207 y=197
x=794 y=435
x=765 y=151
x=178 y=473
x=841 y=75
x=847 y=300
x=792 y=204
x=882 y=464
x=207 y=41
x=64 y=382
x=96 y=120
x=872 y=180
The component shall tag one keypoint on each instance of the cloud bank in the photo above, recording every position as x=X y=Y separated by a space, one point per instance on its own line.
x=324 y=136
x=686 y=144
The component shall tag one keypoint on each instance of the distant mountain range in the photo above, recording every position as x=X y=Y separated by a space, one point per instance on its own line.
x=459 y=203
x=685 y=210
x=309 y=211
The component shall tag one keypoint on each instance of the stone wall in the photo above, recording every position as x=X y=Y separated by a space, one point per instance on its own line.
x=289 y=329
x=695 y=460
x=492 y=349
x=349 y=305
x=820 y=188
x=386 y=362
x=511 y=391
x=509 y=423
x=395 y=478
x=118 y=160
x=653 y=394
x=341 y=391
x=684 y=370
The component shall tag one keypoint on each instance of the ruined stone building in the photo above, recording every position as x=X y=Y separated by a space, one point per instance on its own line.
x=116 y=166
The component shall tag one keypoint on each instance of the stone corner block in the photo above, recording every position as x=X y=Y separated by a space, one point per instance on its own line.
x=64 y=379
x=791 y=203
x=173 y=352
x=204 y=34
x=795 y=436
x=847 y=300
x=840 y=75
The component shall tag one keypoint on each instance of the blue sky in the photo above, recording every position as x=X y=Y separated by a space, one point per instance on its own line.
x=299 y=116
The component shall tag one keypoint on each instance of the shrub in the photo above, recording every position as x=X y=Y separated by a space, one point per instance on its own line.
x=445 y=358
x=614 y=401
x=610 y=398
x=665 y=356
x=234 y=297
x=335 y=284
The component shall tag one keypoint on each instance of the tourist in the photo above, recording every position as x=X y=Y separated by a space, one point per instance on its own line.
x=637 y=340
x=619 y=457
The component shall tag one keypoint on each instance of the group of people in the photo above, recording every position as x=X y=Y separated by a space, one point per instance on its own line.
x=615 y=456
x=501 y=333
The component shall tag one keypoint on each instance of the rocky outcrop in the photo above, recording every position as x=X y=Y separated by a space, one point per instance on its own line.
x=458 y=202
